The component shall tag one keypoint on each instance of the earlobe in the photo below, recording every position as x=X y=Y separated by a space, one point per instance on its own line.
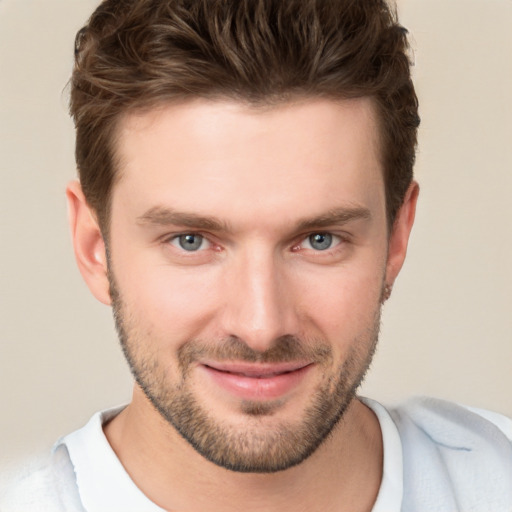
x=88 y=243
x=401 y=231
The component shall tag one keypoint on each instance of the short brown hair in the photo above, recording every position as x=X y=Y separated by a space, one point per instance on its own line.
x=136 y=54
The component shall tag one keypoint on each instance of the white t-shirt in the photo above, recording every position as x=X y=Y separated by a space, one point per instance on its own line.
x=433 y=453
x=99 y=471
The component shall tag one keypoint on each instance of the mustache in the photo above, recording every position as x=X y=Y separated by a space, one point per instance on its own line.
x=285 y=349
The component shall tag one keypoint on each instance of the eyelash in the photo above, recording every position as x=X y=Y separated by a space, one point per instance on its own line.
x=337 y=239
x=176 y=238
x=208 y=245
x=333 y=240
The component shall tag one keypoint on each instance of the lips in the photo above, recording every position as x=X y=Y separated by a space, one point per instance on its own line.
x=252 y=381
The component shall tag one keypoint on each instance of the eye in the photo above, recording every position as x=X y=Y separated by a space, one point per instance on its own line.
x=190 y=242
x=319 y=241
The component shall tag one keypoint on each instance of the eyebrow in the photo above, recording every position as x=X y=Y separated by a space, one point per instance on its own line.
x=336 y=216
x=162 y=216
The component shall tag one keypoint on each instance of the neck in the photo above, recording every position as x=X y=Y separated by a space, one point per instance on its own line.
x=343 y=474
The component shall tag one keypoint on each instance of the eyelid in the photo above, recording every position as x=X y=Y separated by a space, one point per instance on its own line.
x=338 y=239
x=205 y=243
x=169 y=238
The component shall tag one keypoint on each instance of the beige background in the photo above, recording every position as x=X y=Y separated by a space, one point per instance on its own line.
x=446 y=331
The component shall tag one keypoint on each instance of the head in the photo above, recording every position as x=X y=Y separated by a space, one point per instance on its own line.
x=248 y=165
x=135 y=55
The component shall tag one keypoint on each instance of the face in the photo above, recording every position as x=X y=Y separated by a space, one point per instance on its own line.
x=248 y=252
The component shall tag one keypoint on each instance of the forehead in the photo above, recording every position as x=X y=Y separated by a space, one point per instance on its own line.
x=228 y=157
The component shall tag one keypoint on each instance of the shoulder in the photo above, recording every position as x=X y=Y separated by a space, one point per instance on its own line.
x=44 y=485
x=28 y=487
x=463 y=455
x=453 y=425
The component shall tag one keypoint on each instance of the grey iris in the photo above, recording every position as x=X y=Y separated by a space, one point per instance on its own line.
x=320 y=241
x=190 y=242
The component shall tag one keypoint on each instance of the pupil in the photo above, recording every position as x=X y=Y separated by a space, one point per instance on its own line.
x=190 y=242
x=320 y=241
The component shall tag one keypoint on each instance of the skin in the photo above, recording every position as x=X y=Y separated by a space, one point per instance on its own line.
x=269 y=178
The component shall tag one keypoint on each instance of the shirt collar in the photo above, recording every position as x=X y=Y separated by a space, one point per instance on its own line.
x=98 y=470
x=391 y=487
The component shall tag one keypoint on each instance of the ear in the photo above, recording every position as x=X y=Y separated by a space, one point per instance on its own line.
x=88 y=243
x=401 y=230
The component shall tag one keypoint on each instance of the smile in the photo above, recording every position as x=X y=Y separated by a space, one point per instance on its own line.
x=250 y=381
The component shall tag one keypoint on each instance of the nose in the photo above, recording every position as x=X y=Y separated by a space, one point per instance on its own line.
x=259 y=307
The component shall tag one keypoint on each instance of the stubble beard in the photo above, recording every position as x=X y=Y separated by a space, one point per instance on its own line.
x=257 y=447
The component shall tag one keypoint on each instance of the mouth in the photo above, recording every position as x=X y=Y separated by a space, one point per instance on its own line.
x=252 y=381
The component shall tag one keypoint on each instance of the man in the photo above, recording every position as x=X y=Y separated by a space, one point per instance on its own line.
x=245 y=203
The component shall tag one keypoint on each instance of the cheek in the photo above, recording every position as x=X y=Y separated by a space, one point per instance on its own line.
x=171 y=303
x=344 y=303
